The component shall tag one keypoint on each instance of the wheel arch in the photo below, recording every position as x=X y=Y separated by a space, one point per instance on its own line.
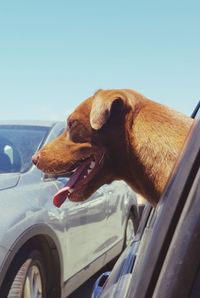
x=39 y=237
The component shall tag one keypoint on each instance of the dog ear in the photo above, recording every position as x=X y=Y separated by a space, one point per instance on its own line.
x=104 y=104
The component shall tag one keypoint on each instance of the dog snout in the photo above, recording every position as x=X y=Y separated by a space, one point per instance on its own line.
x=35 y=158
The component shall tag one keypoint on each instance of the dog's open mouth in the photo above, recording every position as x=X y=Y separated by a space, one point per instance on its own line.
x=81 y=174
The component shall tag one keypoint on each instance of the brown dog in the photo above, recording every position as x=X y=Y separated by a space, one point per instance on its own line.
x=116 y=134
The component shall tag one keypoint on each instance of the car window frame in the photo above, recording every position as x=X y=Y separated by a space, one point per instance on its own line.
x=183 y=259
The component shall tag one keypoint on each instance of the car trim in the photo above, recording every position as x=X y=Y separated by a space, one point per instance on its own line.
x=177 y=276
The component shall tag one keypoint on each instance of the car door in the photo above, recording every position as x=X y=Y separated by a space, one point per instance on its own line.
x=114 y=221
x=85 y=228
x=96 y=223
x=76 y=238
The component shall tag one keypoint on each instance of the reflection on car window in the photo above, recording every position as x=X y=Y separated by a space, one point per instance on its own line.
x=17 y=145
x=8 y=150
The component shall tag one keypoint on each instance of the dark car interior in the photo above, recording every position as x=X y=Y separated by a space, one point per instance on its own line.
x=10 y=160
x=5 y=163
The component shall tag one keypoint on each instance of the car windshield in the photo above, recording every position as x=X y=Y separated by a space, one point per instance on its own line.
x=17 y=145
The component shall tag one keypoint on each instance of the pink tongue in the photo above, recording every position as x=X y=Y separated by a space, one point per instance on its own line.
x=62 y=194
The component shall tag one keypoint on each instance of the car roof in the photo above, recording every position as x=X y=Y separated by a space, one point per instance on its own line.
x=45 y=123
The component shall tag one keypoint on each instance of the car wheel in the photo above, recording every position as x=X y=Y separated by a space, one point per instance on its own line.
x=30 y=280
x=129 y=230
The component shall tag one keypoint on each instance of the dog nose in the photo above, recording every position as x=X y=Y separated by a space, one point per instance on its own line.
x=35 y=158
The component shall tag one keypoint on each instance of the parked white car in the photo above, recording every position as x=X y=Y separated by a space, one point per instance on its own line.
x=47 y=251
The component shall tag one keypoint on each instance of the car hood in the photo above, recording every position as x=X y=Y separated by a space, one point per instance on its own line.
x=9 y=180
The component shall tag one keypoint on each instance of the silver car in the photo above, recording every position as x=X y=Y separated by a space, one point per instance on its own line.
x=47 y=251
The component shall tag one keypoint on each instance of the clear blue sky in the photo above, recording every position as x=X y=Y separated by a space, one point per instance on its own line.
x=54 y=54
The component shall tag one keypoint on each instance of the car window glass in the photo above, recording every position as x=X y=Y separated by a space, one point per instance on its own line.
x=17 y=145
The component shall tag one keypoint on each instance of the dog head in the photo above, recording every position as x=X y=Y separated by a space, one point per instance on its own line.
x=92 y=150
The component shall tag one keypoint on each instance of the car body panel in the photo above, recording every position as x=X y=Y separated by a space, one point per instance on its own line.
x=9 y=180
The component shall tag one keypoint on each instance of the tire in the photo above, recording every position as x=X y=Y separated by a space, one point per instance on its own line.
x=30 y=280
x=130 y=230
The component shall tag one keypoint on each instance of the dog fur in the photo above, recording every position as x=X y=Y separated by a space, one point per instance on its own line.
x=131 y=137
